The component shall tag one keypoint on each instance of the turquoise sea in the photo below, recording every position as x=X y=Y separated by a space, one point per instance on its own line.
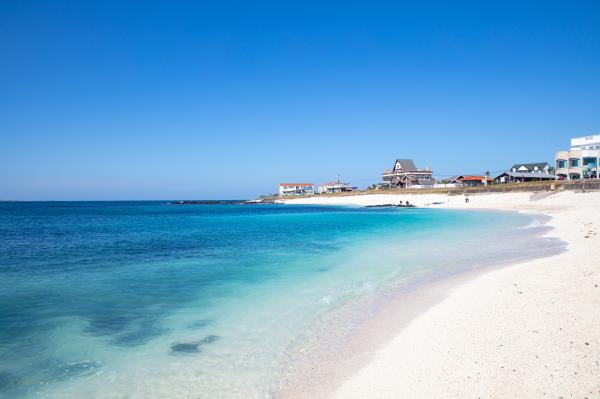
x=152 y=300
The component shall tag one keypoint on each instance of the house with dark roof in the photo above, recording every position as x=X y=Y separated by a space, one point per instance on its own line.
x=405 y=174
x=524 y=172
x=536 y=167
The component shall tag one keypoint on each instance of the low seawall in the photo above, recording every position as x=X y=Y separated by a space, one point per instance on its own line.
x=558 y=185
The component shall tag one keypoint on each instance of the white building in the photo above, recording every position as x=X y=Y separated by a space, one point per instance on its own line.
x=586 y=143
x=287 y=189
x=582 y=161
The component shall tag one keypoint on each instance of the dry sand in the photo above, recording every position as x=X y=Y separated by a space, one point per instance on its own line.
x=529 y=330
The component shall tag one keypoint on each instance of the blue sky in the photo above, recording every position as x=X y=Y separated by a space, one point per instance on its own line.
x=168 y=100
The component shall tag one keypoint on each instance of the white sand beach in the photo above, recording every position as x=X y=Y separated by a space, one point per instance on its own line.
x=530 y=330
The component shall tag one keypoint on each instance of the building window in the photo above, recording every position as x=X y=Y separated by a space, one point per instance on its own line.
x=561 y=164
x=574 y=162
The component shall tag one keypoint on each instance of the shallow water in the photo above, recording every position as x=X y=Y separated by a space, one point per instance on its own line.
x=146 y=299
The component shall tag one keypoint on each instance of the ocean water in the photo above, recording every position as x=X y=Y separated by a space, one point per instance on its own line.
x=151 y=300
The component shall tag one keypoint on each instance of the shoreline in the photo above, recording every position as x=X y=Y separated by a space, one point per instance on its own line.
x=442 y=316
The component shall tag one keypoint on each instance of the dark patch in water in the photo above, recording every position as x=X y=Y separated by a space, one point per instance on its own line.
x=189 y=347
x=210 y=339
x=193 y=347
x=200 y=324
x=140 y=336
x=8 y=381
x=107 y=325
x=322 y=269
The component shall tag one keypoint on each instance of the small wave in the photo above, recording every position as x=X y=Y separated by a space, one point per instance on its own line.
x=533 y=224
x=325 y=300
x=368 y=287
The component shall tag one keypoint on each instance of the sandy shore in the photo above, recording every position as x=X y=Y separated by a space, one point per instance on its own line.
x=529 y=330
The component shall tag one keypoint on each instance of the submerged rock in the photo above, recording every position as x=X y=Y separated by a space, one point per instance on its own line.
x=210 y=339
x=107 y=325
x=193 y=347
x=8 y=381
x=200 y=324
x=139 y=336
x=186 y=347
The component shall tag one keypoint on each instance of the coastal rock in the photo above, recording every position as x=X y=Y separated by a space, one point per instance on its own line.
x=407 y=205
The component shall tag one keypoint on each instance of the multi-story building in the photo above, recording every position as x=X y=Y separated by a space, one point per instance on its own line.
x=406 y=174
x=581 y=161
x=287 y=189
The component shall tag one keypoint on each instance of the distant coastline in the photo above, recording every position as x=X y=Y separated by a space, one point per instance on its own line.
x=223 y=202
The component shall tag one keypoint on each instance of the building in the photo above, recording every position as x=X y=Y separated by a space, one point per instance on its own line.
x=581 y=161
x=525 y=172
x=335 y=187
x=469 y=180
x=406 y=174
x=536 y=167
x=288 y=189
x=423 y=183
x=586 y=142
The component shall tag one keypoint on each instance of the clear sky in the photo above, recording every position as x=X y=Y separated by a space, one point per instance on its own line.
x=175 y=99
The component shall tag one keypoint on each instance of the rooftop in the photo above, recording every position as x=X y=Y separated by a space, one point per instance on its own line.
x=474 y=178
x=527 y=174
x=531 y=166
x=407 y=165
x=585 y=142
x=335 y=183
